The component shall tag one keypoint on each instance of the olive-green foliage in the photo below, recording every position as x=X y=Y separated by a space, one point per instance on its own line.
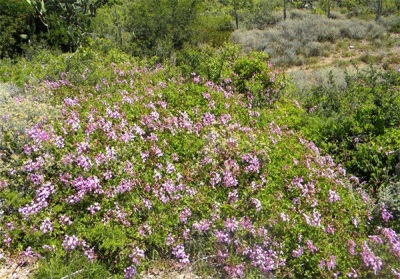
x=368 y=7
x=158 y=27
x=359 y=125
x=15 y=26
x=64 y=24
x=212 y=63
x=390 y=198
x=19 y=111
x=77 y=266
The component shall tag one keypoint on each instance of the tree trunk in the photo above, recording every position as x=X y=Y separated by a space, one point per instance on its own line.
x=284 y=9
x=236 y=15
x=379 y=10
x=329 y=9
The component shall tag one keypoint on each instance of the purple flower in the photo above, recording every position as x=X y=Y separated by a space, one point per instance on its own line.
x=70 y=242
x=65 y=220
x=84 y=162
x=202 y=226
x=208 y=119
x=7 y=240
x=230 y=179
x=370 y=260
x=94 y=208
x=46 y=226
x=129 y=272
x=352 y=274
x=297 y=253
x=352 y=245
x=222 y=237
x=386 y=215
x=233 y=196
x=231 y=225
x=179 y=253
x=311 y=246
x=333 y=196
x=331 y=262
x=136 y=256
x=27 y=256
x=254 y=163
x=235 y=271
x=169 y=240
x=185 y=214
x=90 y=255
x=257 y=204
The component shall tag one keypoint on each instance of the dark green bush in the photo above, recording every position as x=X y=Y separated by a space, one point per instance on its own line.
x=16 y=26
x=360 y=125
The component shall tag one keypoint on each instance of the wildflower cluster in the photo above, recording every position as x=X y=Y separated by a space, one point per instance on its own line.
x=139 y=164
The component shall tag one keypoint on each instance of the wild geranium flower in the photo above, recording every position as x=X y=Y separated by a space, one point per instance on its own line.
x=94 y=208
x=7 y=240
x=202 y=225
x=236 y=271
x=169 y=240
x=311 y=246
x=230 y=179
x=331 y=262
x=257 y=204
x=129 y=272
x=180 y=254
x=352 y=245
x=90 y=255
x=352 y=274
x=233 y=196
x=369 y=258
x=222 y=237
x=386 y=215
x=298 y=252
x=231 y=225
x=185 y=214
x=46 y=226
x=70 y=242
x=333 y=196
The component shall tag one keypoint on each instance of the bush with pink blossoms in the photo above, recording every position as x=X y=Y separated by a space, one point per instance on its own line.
x=146 y=166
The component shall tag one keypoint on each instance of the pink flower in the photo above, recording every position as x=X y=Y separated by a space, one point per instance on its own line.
x=370 y=260
x=179 y=253
x=129 y=272
x=46 y=226
x=386 y=215
x=70 y=242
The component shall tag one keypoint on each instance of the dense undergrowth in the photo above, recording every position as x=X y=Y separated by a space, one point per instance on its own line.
x=137 y=164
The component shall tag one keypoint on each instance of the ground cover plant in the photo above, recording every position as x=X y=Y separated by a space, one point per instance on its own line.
x=143 y=165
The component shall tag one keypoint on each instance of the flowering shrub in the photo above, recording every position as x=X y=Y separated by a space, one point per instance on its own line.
x=146 y=165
